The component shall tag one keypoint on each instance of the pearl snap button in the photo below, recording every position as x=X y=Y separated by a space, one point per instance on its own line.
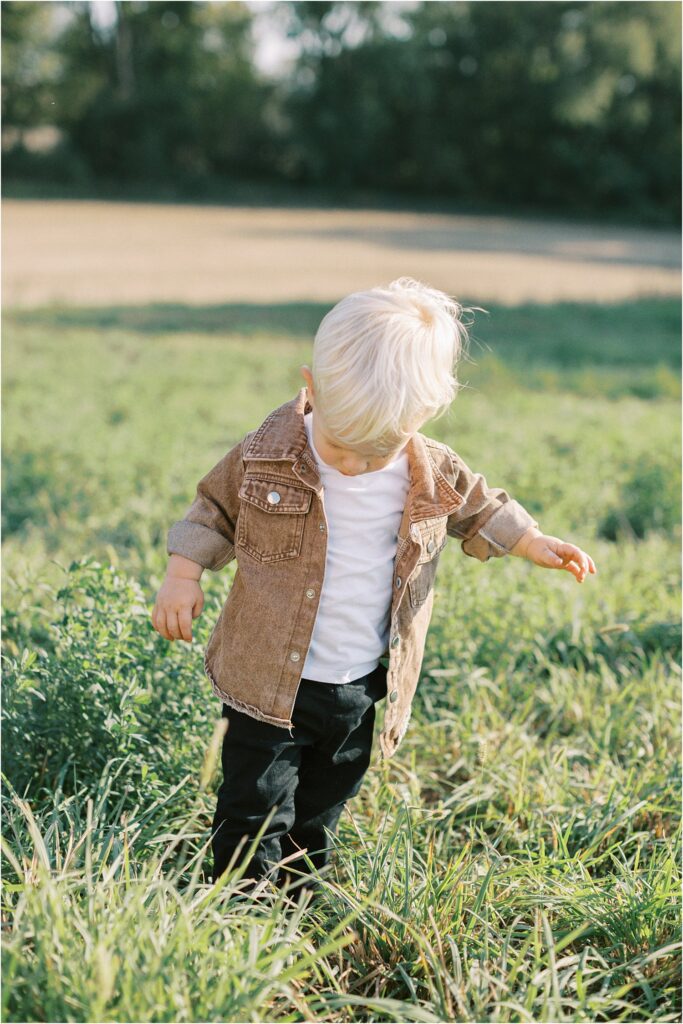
x=294 y=656
x=431 y=545
x=398 y=581
x=393 y=696
x=396 y=641
x=310 y=593
x=273 y=498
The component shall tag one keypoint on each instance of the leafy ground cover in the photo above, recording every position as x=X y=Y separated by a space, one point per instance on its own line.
x=518 y=860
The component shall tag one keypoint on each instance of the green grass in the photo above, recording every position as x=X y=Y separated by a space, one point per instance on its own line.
x=517 y=860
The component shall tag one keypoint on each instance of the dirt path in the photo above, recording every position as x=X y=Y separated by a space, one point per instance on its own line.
x=93 y=253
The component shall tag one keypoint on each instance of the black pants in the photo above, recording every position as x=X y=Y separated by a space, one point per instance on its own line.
x=308 y=776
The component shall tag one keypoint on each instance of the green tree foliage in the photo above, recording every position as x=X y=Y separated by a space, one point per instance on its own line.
x=555 y=105
x=28 y=64
x=167 y=93
x=561 y=103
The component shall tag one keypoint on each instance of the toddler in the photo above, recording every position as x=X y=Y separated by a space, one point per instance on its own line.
x=336 y=509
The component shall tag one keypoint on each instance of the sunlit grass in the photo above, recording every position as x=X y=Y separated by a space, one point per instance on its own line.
x=517 y=860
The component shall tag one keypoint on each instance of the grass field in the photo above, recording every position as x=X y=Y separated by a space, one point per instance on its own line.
x=519 y=858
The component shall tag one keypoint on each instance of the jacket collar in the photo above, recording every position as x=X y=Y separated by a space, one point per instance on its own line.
x=282 y=435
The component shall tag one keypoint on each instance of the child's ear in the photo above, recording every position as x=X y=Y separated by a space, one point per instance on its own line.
x=308 y=377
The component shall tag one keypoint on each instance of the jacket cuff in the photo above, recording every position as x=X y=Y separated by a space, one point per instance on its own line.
x=500 y=532
x=199 y=543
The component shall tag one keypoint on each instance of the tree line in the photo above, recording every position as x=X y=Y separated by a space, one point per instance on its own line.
x=571 y=106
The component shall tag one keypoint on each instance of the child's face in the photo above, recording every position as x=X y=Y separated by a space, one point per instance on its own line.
x=351 y=461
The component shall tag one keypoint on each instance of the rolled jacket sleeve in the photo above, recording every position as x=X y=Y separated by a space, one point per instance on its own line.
x=206 y=534
x=488 y=522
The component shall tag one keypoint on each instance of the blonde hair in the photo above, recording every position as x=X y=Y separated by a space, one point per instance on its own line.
x=384 y=362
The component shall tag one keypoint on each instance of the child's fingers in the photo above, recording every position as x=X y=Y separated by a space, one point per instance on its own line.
x=170 y=622
x=574 y=567
x=577 y=559
x=162 y=619
x=159 y=621
x=570 y=557
x=173 y=625
x=583 y=570
x=581 y=561
x=185 y=624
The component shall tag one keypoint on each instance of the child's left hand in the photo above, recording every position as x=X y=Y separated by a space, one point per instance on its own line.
x=553 y=553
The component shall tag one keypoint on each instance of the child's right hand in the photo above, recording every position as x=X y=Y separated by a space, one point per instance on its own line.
x=178 y=602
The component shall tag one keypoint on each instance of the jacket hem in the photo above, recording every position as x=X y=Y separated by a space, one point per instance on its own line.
x=239 y=705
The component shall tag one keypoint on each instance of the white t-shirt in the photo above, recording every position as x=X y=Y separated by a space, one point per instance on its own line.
x=363 y=514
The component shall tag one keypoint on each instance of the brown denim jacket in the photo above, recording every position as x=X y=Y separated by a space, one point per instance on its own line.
x=263 y=505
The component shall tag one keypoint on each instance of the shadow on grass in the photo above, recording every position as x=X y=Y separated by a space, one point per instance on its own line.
x=640 y=333
x=294 y=319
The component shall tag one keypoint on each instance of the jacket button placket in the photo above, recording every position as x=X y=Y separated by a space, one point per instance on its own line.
x=302 y=636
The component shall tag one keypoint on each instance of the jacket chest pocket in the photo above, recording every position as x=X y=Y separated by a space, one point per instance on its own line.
x=432 y=537
x=270 y=524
